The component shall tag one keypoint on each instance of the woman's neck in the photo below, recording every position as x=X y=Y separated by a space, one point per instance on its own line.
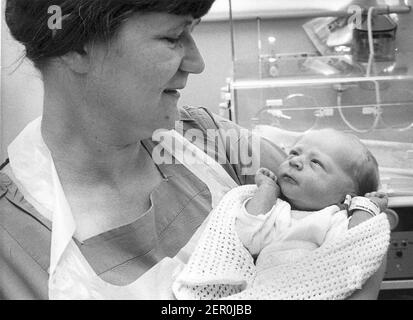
x=88 y=146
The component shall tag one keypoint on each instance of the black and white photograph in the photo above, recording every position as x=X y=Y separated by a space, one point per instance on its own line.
x=206 y=154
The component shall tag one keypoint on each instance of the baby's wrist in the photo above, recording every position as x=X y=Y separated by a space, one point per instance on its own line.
x=380 y=205
x=364 y=204
x=271 y=187
x=361 y=214
x=357 y=217
x=268 y=183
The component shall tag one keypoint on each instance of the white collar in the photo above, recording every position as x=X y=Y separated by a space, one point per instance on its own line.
x=35 y=173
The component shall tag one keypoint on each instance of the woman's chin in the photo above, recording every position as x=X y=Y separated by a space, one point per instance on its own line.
x=170 y=120
x=166 y=121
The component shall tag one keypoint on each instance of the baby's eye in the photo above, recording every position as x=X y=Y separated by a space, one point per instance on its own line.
x=317 y=162
x=293 y=153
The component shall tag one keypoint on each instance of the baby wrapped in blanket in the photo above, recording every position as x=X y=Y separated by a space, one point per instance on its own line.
x=285 y=219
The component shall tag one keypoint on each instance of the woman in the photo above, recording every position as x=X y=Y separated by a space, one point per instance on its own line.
x=111 y=78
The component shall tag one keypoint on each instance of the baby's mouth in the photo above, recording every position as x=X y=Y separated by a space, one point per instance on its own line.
x=289 y=179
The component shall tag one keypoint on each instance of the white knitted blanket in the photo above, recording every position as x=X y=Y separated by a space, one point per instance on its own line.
x=220 y=266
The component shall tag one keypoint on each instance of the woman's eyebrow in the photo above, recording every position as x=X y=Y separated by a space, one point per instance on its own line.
x=186 y=23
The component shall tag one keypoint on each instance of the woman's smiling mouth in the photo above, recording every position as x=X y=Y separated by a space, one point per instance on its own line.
x=172 y=92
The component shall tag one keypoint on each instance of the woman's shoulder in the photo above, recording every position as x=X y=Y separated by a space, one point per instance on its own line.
x=205 y=118
x=241 y=147
x=24 y=246
x=197 y=117
x=21 y=224
x=208 y=118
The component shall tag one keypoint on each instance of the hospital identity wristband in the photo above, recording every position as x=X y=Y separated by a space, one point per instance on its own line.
x=364 y=204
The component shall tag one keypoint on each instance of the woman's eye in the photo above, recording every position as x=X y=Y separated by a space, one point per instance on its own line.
x=171 y=40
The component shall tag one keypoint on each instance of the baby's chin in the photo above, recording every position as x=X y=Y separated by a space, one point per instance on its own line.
x=297 y=206
x=297 y=202
x=284 y=197
x=300 y=205
x=284 y=194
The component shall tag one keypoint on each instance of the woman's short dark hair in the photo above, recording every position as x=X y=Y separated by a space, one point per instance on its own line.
x=84 y=21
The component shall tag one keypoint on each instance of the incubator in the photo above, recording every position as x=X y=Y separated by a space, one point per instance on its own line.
x=349 y=67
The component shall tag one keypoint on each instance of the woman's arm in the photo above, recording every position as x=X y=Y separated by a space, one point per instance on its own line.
x=371 y=288
x=239 y=151
x=21 y=277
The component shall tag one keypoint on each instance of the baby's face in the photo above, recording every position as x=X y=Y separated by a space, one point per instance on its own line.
x=314 y=175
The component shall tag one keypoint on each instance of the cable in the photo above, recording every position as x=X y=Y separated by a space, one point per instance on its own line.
x=376 y=84
x=393 y=127
x=340 y=111
x=369 y=66
x=278 y=124
x=370 y=39
x=368 y=74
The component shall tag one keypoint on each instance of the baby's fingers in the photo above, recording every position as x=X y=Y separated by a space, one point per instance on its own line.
x=268 y=173
x=376 y=194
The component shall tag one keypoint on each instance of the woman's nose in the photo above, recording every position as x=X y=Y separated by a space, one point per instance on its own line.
x=192 y=62
x=296 y=163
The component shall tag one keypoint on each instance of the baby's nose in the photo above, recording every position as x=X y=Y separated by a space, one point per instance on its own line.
x=296 y=163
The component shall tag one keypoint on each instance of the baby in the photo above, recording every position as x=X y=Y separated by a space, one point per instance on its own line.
x=301 y=208
x=285 y=219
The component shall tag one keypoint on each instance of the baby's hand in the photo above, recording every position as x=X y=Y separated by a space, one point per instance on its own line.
x=266 y=195
x=379 y=198
x=265 y=176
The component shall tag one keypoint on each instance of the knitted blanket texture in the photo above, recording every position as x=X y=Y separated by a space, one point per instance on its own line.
x=222 y=268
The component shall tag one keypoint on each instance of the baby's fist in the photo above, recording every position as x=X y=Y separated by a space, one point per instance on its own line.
x=379 y=198
x=265 y=175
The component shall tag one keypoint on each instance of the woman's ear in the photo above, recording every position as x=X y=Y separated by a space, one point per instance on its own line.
x=77 y=60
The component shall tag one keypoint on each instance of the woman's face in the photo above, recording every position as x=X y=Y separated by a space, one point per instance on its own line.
x=134 y=78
